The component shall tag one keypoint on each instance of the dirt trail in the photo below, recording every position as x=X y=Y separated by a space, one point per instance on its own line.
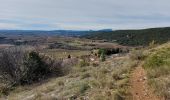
x=139 y=87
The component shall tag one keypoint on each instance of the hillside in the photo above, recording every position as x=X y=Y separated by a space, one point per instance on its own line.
x=157 y=66
x=87 y=80
x=140 y=74
x=133 y=37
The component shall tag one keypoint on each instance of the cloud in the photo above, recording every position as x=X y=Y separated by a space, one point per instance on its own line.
x=83 y=14
x=8 y=26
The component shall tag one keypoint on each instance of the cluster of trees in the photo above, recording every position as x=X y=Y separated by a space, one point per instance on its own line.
x=110 y=51
x=102 y=52
x=133 y=37
x=20 y=65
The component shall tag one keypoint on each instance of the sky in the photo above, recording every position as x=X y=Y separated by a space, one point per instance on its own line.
x=83 y=14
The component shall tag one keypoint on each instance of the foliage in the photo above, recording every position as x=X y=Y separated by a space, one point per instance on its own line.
x=158 y=59
x=101 y=51
x=157 y=65
x=35 y=68
x=109 y=51
x=152 y=44
x=133 y=37
x=137 y=55
x=102 y=57
x=22 y=65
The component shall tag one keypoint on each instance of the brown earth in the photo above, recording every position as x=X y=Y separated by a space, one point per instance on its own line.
x=139 y=87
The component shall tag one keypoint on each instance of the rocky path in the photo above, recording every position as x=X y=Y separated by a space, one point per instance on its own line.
x=139 y=87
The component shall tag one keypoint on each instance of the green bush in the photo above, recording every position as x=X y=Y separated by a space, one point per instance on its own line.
x=102 y=57
x=158 y=70
x=101 y=54
x=110 y=51
x=158 y=59
x=35 y=68
x=101 y=51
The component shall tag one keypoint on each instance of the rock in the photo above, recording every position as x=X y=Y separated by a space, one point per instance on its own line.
x=144 y=78
x=145 y=94
x=141 y=79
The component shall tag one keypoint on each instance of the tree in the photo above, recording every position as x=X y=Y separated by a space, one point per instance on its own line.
x=102 y=56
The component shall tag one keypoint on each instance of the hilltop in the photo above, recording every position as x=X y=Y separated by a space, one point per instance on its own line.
x=140 y=37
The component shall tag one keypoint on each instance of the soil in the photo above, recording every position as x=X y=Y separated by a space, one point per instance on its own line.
x=139 y=87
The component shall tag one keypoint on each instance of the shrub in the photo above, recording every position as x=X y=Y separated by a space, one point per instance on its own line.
x=23 y=65
x=84 y=87
x=95 y=64
x=158 y=70
x=158 y=59
x=137 y=55
x=101 y=51
x=113 y=51
x=35 y=68
x=60 y=83
x=12 y=64
x=86 y=75
x=102 y=57
x=83 y=63
x=110 y=51
x=152 y=44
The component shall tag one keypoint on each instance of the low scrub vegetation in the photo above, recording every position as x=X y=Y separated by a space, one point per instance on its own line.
x=103 y=82
x=104 y=78
x=106 y=81
x=23 y=65
x=157 y=65
x=83 y=63
x=109 y=51
x=137 y=55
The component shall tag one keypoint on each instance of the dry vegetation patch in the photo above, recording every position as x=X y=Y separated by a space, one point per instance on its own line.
x=157 y=65
x=107 y=81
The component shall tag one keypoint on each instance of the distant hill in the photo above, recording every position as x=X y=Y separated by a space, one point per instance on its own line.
x=133 y=37
x=52 y=32
x=73 y=33
x=41 y=32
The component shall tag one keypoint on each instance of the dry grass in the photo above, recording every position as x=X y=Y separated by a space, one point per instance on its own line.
x=107 y=81
x=157 y=65
x=62 y=54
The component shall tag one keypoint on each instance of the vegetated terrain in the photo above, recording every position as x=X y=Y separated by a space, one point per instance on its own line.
x=72 y=33
x=85 y=81
x=72 y=68
x=42 y=32
x=133 y=37
x=158 y=69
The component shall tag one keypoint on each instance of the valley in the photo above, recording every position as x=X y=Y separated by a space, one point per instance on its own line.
x=74 y=68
